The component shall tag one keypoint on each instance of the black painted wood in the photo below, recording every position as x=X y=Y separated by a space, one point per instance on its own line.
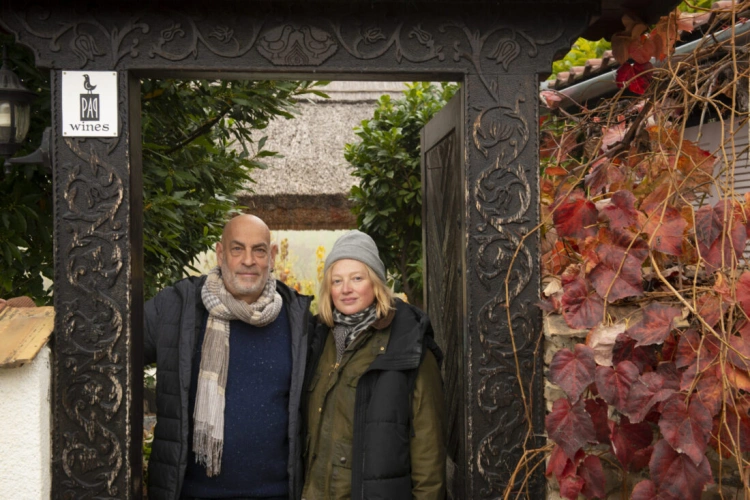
x=496 y=50
x=444 y=243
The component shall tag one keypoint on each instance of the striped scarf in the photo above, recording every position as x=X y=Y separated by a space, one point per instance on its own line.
x=346 y=327
x=208 y=417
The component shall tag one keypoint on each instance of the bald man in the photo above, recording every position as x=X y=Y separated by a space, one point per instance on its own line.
x=230 y=354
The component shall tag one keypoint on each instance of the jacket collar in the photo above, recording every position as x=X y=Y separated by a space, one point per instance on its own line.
x=408 y=326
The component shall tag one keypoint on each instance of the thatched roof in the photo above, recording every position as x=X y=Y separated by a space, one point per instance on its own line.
x=313 y=143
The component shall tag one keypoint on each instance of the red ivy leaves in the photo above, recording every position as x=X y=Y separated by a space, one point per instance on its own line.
x=614 y=384
x=628 y=439
x=618 y=273
x=573 y=372
x=719 y=247
x=676 y=475
x=636 y=76
x=666 y=230
x=621 y=211
x=655 y=325
x=597 y=408
x=686 y=427
x=575 y=216
x=645 y=393
x=603 y=174
x=592 y=473
x=586 y=478
x=570 y=426
x=645 y=490
x=581 y=306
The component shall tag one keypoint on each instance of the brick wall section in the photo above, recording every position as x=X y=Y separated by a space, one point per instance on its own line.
x=302 y=212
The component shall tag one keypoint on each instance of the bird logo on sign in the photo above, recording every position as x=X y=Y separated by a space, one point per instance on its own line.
x=89 y=101
x=87 y=84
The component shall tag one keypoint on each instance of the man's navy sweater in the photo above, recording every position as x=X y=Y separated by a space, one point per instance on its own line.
x=256 y=415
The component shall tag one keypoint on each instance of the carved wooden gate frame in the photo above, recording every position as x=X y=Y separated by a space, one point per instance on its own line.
x=495 y=51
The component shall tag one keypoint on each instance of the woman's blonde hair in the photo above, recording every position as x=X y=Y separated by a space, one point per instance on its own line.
x=383 y=295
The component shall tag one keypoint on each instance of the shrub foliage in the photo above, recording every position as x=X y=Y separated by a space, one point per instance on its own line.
x=388 y=199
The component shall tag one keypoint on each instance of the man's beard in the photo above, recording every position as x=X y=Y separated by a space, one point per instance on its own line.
x=239 y=287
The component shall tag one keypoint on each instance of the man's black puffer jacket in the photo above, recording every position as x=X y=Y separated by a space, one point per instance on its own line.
x=172 y=320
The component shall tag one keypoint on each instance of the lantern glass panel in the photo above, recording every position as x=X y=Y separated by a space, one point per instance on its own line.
x=5 y=120
x=23 y=120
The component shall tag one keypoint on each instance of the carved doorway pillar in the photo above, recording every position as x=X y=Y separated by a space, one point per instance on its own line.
x=495 y=49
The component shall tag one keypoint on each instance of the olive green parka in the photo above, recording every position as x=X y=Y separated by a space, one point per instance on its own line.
x=374 y=421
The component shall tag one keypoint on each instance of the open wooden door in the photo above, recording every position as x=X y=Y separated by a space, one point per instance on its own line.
x=443 y=238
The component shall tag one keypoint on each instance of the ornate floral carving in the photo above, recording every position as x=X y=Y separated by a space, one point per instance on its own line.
x=91 y=371
x=297 y=46
x=367 y=44
x=84 y=46
x=505 y=266
x=506 y=52
x=181 y=40
x=223 y=34
x=88 y=38
x=372 y=35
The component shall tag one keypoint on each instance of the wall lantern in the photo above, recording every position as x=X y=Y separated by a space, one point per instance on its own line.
x=15 y=110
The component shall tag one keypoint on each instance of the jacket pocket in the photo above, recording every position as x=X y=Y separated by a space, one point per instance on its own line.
x=341 y=472
x=342 y=454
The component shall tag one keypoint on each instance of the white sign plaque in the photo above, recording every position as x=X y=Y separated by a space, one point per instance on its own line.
x=89 y=103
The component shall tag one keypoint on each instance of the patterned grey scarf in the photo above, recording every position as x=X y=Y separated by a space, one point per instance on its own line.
x=208 y=417
x=346 y=328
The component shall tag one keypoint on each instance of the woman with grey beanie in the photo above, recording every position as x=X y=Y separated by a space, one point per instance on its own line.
x=374 y=408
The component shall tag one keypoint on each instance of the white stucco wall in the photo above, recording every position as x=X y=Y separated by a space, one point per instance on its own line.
x=25 y=444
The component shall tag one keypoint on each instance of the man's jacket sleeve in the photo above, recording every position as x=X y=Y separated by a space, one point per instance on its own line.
x=150 y=331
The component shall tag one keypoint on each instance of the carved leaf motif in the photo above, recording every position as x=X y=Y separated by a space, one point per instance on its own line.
x=506 y=51
x=501 y=126
x=372 y=35
x=422 y=36
x=168 y=34
x=222 y=33
x=84 y=46
x=297 y=46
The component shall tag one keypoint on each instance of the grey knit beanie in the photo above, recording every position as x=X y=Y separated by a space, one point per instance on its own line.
x=359 y=246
